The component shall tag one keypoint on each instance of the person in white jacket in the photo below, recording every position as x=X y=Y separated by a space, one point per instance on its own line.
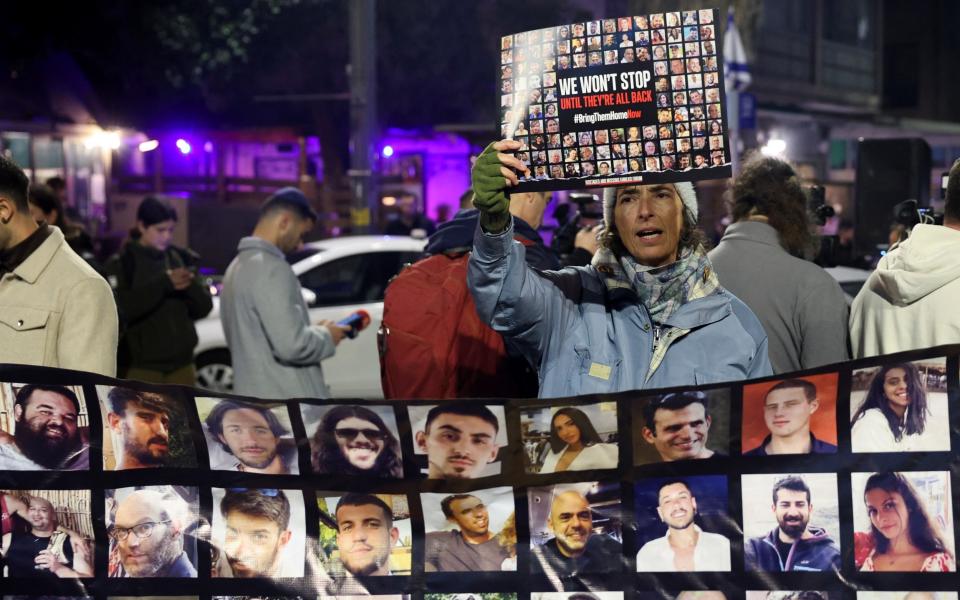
x=910 y=301
x=575 y=444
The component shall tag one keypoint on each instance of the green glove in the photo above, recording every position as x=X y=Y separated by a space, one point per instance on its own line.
x=490 y=197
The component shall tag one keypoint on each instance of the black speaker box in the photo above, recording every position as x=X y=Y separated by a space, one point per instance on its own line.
x=889 y=171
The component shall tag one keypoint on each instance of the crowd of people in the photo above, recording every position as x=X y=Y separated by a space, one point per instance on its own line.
x=638 y=316
x=652 y=299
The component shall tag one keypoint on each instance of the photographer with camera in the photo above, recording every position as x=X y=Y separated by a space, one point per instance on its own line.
x=761 y=259
x=576 y=240
x=910 y=301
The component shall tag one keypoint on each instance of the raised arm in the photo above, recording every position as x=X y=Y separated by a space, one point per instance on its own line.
x=510 y=296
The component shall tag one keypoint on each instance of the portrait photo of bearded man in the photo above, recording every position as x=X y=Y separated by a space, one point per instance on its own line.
x=49 y=428
x=373 y=537
x=145 y=429
x=353 y=440
x=258 y=533
x=248 y=437
x=575 y=532
x=149 y=531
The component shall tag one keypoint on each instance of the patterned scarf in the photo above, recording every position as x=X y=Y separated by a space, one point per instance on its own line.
x=662 y=290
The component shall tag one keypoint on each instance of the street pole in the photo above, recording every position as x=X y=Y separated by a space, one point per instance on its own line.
x=363 y=113
x=733 y=127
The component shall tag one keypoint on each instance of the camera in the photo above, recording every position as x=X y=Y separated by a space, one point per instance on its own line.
x=820 y=211
x=910 y=214
x=589 y=205
x=589 y=212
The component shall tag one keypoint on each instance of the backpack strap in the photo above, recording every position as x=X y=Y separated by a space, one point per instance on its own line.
x=519 y=238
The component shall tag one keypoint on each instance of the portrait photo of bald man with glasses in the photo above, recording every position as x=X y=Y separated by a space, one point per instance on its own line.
x=147 y=528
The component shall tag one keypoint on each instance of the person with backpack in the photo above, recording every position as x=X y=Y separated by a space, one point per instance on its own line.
x=647 y=313
x=159 y=296
x=433 y=345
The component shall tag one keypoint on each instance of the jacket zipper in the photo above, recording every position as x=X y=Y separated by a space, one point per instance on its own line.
x=656 y=337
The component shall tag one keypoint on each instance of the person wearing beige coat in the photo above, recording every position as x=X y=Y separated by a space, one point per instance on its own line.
x=55 y=310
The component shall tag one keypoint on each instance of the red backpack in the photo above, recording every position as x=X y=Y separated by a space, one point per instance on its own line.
x=433 y=344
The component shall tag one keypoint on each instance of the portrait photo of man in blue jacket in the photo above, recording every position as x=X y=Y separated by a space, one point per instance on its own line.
x=794 y=544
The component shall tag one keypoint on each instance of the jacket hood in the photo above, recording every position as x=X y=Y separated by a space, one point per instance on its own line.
x=454 y=234
x=252 y=243
x=457 y=234
x=918 y=266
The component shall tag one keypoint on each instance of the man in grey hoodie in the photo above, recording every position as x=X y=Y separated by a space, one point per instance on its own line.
x=910 y=301
x=276 y=351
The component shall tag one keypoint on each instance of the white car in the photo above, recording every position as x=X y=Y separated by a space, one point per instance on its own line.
x=339 y=276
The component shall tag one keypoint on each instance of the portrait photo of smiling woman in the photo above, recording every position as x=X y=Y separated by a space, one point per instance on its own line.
x=558 y=439
x=903 y=522
x=900 y=407
x=353 y=440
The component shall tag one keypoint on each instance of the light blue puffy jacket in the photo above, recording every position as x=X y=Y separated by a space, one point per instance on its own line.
x=585 y=339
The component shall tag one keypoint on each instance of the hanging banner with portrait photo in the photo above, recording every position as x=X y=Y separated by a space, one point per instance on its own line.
x=837 y=483
x=636 y=99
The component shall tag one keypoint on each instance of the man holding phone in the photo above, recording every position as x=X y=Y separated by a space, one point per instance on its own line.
x=159 y=297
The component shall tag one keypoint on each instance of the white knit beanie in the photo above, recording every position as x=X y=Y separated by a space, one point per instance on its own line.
x=688 y=196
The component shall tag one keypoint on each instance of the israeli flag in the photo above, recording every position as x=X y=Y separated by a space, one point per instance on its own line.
x=734 y=58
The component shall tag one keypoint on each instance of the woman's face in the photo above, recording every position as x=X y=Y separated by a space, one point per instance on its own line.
x=567 y=431
x=158 y=236
x=887 y=512
x=895 y=387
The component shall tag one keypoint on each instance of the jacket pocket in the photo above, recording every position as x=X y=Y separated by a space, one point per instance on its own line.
x=26 y=328
x=594 y=372
x=706 y=376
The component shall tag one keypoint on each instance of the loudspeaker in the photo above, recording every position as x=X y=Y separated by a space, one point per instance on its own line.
x=889 y=171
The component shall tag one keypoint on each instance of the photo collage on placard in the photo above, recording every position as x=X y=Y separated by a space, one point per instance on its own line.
x=798 y=486
x=679 y=49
